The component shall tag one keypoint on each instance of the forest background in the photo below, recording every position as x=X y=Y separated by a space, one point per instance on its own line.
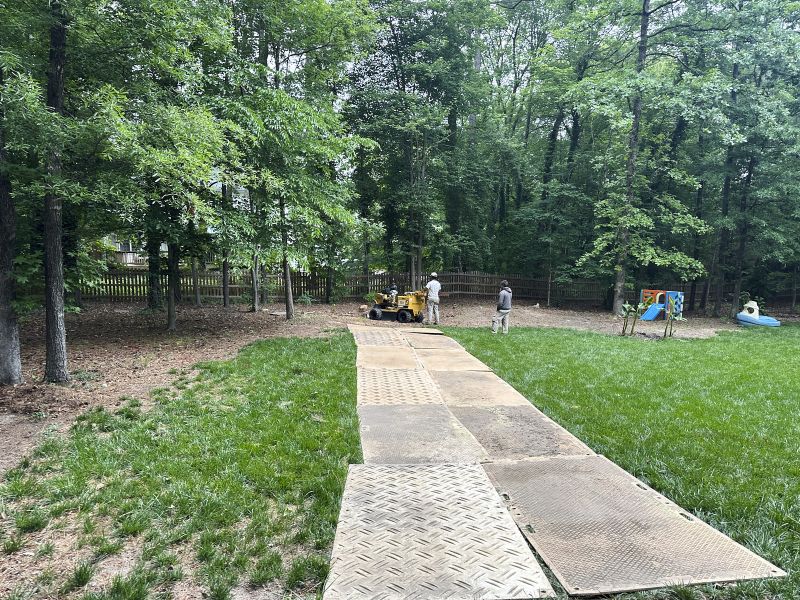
x=619 y=140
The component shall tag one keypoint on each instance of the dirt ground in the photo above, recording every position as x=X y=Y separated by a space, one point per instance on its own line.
x=118 y=351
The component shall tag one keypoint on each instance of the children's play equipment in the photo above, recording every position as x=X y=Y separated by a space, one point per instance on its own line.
x=659 y=301
x=751 y=317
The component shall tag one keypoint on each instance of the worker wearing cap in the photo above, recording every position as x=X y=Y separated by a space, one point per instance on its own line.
x=503 y=308
x=432 y=296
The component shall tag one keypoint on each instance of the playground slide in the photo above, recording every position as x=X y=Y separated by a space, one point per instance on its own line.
x=652 y=313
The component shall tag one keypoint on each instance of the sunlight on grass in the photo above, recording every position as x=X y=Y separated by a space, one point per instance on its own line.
x=713 y=424
x=245 y=466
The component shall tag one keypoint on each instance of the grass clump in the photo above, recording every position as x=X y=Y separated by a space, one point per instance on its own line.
x=712 y=424
x=78 y=578
x=229 y=467
x=267 y=568
x=30 y=520
x=307 y=571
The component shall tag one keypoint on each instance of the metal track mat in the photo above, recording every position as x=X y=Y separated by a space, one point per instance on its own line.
x=476 y=388
x=397 y=386
x=513 y=432
x=427 y=433
x=450 y=360
x=386 y=357
x=377 y=336
x=602 y=531
x=428 y=531
x=433 y=342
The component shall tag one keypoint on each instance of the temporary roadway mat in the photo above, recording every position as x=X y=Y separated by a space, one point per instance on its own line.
x=420 y=519
x=428 y=531
x=601 y=530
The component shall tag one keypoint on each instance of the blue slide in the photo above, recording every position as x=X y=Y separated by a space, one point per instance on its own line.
x=652 y=313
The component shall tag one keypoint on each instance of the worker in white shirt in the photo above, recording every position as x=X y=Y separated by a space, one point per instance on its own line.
x=432 y=296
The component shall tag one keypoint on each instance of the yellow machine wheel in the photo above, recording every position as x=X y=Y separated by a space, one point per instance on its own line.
x=405 y=316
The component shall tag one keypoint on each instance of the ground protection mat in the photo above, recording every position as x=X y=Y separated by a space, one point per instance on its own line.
x=415 y=434
x=450 y=360
x=386 y=357
x=602 y=531
x=514 y=432
x=377 y=336
x=397 y=386
x=432 y=342
x=428 y=531
x=476 y=388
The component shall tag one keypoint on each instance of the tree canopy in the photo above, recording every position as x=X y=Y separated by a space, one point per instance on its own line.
x=637 y=142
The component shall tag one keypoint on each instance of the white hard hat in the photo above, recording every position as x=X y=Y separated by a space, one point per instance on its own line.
x=434 y=274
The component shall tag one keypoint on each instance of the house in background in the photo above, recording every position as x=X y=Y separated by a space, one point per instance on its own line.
x=128 y=253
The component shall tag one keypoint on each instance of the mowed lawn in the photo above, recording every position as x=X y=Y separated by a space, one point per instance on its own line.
x=713 y=424
x=233 y=478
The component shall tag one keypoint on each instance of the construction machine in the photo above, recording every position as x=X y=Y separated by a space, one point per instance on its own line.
x=404 y=308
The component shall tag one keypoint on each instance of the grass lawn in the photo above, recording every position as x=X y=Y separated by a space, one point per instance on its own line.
x=233 y=478
x=713 y=424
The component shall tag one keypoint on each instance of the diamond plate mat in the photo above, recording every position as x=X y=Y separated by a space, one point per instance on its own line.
x=428 y=531
x=377 y=336
x=383 y=357
x=408 y=434
x=450 y=360
x=476 y=388
x=602 y=531
x=397 y=386
x=432 y=342
x=513 y=432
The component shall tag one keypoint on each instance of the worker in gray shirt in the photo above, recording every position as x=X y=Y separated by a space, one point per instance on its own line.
x=503 y=308
x=432 y=290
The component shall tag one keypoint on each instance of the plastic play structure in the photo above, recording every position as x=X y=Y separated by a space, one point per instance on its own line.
x=659 y=300
x=751 y=317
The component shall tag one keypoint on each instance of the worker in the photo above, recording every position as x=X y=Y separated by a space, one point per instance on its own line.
x=392 y=292
x=503 y=308
x=432 y=298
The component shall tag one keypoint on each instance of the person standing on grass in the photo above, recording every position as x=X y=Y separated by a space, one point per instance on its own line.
x=503 y=308
x=433 y=288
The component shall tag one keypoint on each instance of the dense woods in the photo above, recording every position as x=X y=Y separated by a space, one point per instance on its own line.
x=632 y=142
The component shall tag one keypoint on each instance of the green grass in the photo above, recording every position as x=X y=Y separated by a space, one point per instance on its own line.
x=244 y=463
x=713 y=424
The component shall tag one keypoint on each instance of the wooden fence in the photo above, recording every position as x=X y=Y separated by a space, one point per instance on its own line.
x=131 y=286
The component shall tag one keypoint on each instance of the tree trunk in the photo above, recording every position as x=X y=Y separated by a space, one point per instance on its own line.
x=574 y=140
x=623 y=236
x=255 y=305
x=173 y=274
x=154 y=295
x=724 y=237
x=196 y=283
x=10 y=364
x=56 y=370
x=794 y=289
x=550 y=153
x=743 y=230
x=287 y=272
x=698 y=212
x=328 y=285
x=226 y=280
x=264 y=284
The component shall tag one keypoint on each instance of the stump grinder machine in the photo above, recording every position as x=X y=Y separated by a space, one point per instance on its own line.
x=405 y=308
